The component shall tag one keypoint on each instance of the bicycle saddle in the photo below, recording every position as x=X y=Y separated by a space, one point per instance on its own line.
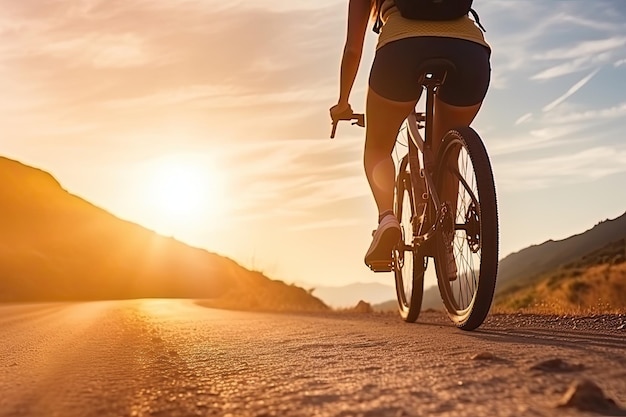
x=433 y=71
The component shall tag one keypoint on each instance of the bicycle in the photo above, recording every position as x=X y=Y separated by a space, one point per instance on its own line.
x=461 y=234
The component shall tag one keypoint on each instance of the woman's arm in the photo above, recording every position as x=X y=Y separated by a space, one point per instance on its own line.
x=358 y=18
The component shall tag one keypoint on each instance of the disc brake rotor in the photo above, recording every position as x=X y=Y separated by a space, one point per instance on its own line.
x=472 y=227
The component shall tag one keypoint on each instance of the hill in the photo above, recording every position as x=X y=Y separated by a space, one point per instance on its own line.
x=584 y=272
x=57 y=246
x=539 y=259
x=595 y=282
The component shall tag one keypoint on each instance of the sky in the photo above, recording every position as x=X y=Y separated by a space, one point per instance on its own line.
x=208 y=121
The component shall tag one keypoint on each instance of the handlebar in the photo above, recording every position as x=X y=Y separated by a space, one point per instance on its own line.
x=360 y=121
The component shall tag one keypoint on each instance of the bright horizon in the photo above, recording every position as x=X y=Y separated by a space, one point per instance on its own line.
x=209 y=122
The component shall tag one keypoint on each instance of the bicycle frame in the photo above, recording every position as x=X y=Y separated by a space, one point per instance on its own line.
x=417 y=144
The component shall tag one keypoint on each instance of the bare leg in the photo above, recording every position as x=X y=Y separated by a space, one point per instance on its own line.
x=384 y=118
x=448 y=117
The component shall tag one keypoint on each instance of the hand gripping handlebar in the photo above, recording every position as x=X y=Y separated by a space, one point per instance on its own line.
x=359 y=120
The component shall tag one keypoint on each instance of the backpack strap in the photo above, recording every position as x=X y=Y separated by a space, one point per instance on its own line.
x=477 y=19
x=378 y=23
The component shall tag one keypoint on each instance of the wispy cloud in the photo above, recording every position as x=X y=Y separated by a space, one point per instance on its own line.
x=526 y=117
x=583 y=49
x=579 y=57
x=570 y=92
x=579 y=167
x=551 y=132
x=267 y=173
x=598 y=25
x=586 y=39
x=598 y=115
x=572 y=66
x=103 y=51
x=134 y=61
x=540 y=138
x=213 y=96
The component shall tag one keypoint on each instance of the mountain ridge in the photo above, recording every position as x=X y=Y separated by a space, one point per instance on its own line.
x=537 y=259
x=595 y=282
x=58 y=246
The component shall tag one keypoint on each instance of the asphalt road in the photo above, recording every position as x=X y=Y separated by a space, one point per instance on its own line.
x=178 y=358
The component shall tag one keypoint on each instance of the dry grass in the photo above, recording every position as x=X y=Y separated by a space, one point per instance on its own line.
x=598 y=289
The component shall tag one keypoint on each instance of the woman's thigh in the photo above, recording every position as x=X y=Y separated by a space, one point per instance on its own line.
x=384 y=118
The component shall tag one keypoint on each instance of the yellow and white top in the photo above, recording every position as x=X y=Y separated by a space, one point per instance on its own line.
x=396 y=27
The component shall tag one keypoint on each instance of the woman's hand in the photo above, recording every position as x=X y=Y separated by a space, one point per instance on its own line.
x=340 y=111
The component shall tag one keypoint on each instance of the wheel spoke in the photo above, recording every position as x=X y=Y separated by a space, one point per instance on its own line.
x=467 y=298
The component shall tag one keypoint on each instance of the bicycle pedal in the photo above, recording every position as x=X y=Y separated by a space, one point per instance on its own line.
x=384 y=266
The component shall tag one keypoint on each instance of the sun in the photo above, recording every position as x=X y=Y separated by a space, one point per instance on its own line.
x=179 y=189
x=182 y=190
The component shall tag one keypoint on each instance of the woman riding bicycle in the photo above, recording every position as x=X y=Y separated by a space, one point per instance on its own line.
x=403 y=45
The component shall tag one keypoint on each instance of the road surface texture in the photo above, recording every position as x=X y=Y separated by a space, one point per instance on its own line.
x=178 y=358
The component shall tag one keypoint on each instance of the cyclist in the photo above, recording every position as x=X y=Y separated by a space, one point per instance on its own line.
x=393 y=91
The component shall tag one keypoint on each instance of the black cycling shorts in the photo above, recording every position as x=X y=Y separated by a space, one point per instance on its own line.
x=394 y=71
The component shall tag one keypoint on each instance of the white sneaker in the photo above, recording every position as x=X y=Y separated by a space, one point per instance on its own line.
x=386 y=236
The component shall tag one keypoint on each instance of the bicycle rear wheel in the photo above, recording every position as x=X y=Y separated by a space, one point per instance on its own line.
x=468 y=230
x=409 y=266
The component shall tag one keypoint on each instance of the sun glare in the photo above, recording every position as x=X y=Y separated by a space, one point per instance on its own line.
x=183 y=191
x=178 y=190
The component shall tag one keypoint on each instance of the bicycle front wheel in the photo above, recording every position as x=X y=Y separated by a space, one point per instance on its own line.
x=466 y=258
x=408 y=264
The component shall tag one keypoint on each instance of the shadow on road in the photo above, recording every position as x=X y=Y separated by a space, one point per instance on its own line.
x=572 y=338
